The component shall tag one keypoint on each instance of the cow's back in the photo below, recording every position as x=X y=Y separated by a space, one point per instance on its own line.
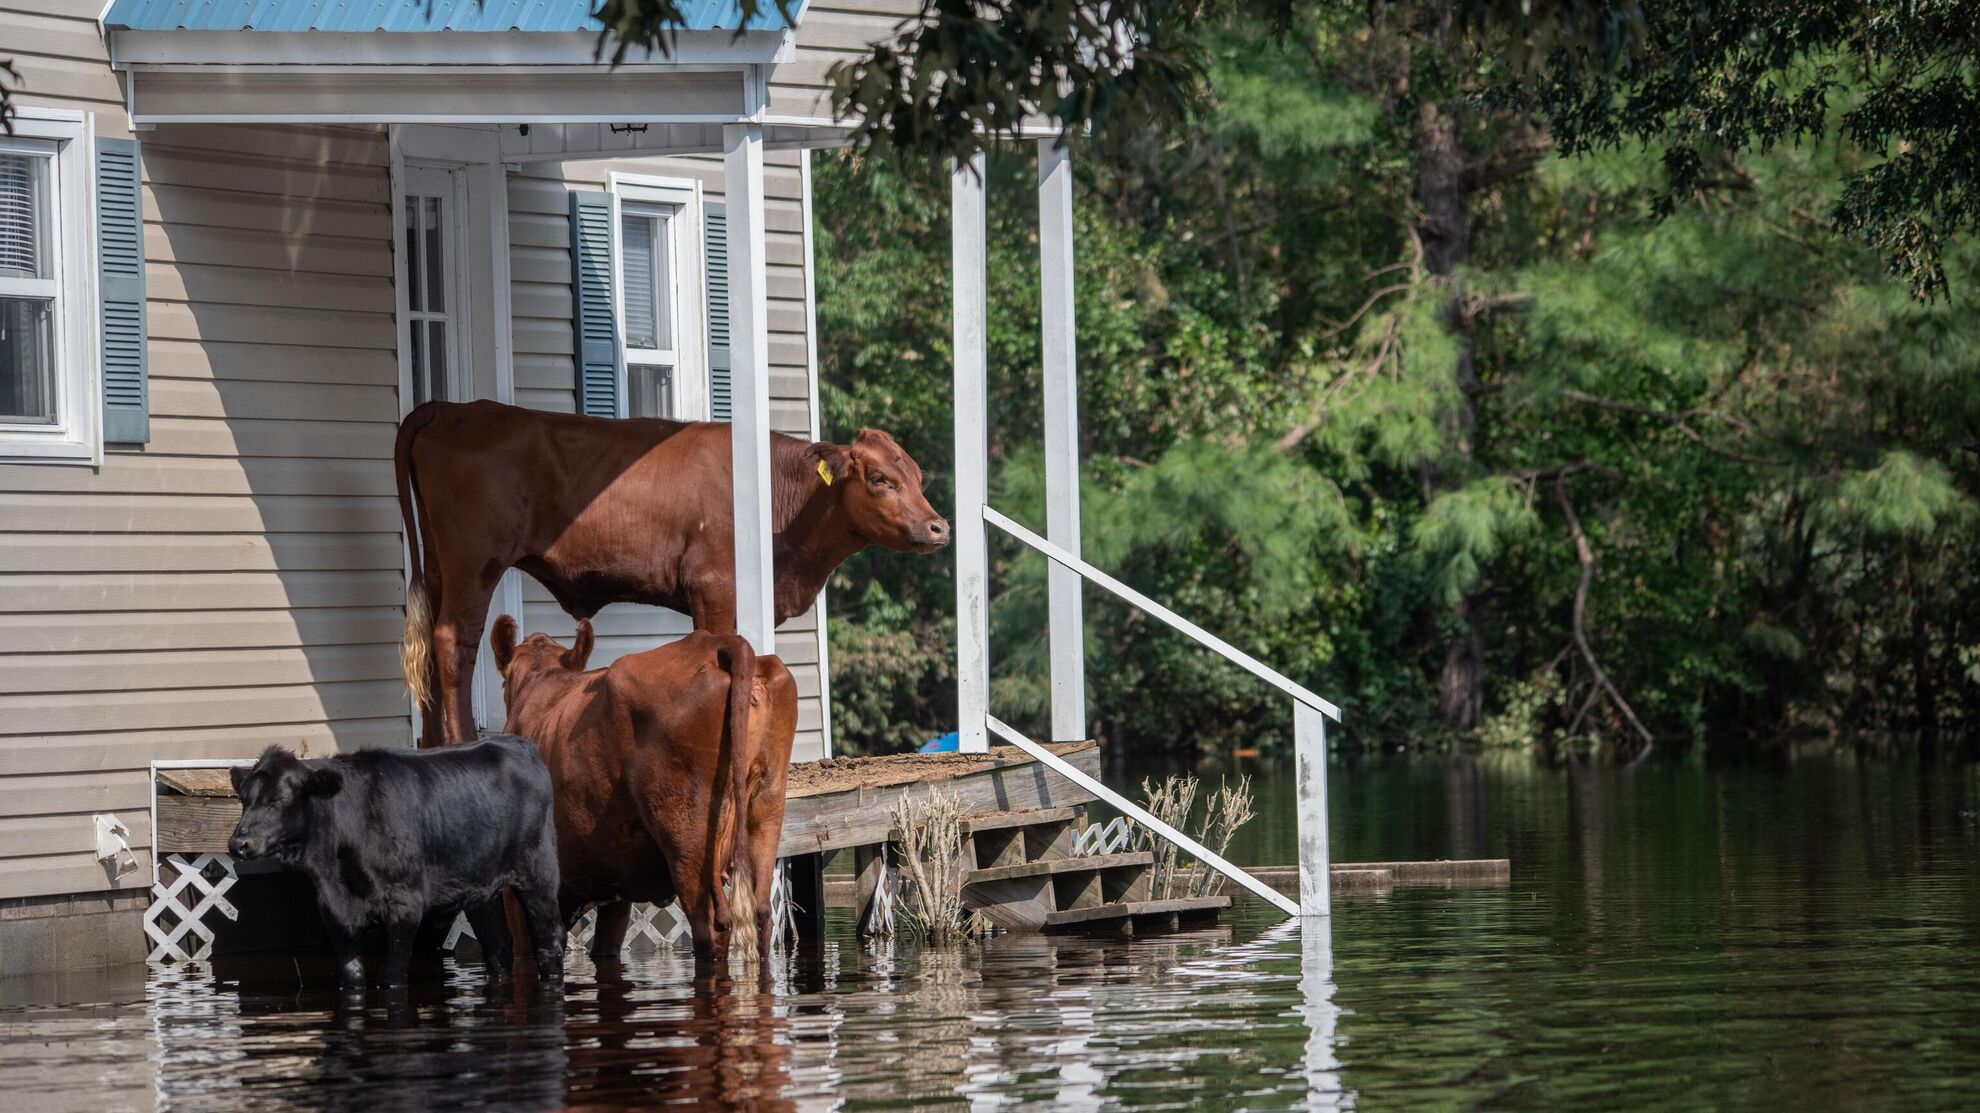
x=598 y=510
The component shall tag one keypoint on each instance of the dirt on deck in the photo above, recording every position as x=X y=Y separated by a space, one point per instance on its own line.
x=844 y=774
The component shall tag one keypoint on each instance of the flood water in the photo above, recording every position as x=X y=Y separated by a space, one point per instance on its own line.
x=1785 y=935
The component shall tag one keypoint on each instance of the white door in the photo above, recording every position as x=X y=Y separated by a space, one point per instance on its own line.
x=440 y=288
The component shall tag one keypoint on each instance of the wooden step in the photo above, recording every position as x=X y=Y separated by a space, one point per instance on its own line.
x=1019 y=897
x=1092 y=863
x=1021 y=818
x=1139 y=915
x=1017 y=837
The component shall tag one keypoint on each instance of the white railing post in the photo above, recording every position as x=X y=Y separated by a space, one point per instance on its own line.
x=1066 y=625
x=756 y=610
x=1310 y=793
x=969 y=235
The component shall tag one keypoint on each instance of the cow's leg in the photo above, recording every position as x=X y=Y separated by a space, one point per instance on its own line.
x=457 y=629
x=546 y=930
x=713 y=608
x=699 y=903
x=491 y=930
x=608 y=938
x=399 y=933
x=350 y=960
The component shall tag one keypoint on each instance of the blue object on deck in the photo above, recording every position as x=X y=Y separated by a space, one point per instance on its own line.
x=947 y=744
x=410 y=15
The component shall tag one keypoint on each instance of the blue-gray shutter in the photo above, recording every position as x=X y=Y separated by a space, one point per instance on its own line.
x=600 y=360
x=716 y=253
x=120 y=288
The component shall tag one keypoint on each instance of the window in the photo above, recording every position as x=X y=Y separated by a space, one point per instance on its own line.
x=659 y=261
x=433 y=348
x=47 y=367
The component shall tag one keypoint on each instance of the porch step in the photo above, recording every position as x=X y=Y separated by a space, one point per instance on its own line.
x=1139 y=916
x=1091 y=864
x=1024 y=817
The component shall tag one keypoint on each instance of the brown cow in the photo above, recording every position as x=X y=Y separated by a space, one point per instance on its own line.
x=656 y=762
x=618 y=511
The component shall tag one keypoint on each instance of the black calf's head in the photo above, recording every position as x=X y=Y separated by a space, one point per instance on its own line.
x=275 y=793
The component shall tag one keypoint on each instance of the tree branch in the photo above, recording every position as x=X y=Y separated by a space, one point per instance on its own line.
x=1678 y=422
x=1585 y=556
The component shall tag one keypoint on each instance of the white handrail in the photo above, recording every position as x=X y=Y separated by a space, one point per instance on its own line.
x=1142 y=816
x=1228 y=651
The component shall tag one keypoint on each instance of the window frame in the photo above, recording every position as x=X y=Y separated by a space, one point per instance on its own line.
x=67 y=139
x=688 y=385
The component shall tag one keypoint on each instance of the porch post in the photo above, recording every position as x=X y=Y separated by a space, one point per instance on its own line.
x=1066 y=624
x=749 y=361
x=969 y=235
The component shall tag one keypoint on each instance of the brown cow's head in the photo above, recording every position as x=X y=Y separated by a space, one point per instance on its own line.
x=882 y=493
x=535 y=655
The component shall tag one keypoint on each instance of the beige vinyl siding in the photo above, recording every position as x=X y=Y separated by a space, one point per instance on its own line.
x=540 y=275
x=236 y=582
x=831 y=33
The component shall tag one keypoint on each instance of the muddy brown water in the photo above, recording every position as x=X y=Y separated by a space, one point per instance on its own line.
x=1795 y=935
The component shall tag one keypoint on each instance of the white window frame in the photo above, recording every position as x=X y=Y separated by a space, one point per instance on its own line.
x=450 y=185
x=687 y=289
x=74 y=438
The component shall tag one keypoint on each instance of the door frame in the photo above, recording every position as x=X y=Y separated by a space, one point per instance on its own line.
x=486 y=368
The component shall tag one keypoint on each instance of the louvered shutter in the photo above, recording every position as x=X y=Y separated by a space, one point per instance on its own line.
x=600 y=362
x=120 y=287
x=716 y=252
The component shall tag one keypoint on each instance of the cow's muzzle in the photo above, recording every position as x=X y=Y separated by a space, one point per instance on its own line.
x=931 y=535
x=246 y=848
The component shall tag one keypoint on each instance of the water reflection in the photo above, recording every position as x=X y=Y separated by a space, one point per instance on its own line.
x=1795 y=937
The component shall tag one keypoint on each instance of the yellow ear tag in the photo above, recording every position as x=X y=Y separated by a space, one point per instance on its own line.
x=825 y=472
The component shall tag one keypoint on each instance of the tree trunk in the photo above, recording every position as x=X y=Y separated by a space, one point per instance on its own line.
x=1443 y=224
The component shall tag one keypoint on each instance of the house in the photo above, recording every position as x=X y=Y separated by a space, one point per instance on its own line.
x=225 y=274
x=240 y=238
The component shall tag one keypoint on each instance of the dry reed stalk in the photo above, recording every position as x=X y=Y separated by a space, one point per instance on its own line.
x=1169 y=802
x=931 y=835
x=1227 y=809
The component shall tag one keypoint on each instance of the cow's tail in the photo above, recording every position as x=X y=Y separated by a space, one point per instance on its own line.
x=739 y=659
x=416 y=643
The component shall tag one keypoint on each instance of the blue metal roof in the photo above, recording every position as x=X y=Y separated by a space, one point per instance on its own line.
x=407 y=15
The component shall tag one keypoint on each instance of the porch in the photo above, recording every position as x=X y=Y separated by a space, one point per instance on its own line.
x=480 y=104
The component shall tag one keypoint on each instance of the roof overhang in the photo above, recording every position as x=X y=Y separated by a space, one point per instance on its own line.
x=185 y=65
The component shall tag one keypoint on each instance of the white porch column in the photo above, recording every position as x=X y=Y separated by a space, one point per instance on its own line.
x=1310 y=793
x=1061 y=377
x=749 y=354
x=970 y=235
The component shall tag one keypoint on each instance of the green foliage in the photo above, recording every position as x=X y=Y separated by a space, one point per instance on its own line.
x=1773 y=451
x=1462 y=531
x=1903 y=496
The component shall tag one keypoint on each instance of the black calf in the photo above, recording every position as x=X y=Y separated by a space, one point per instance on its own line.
x=389 y=836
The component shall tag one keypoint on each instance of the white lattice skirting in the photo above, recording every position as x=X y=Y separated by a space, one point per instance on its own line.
x=1110 y=837
x=187 y=889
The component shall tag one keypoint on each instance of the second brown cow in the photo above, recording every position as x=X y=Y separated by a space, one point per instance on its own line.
x=617 y=511
x=668 y=769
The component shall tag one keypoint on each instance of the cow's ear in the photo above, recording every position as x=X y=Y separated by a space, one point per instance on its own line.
x=238 y=774
x=579 y=653
x=502 y=639
x=833 y=462
x=324 y=780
